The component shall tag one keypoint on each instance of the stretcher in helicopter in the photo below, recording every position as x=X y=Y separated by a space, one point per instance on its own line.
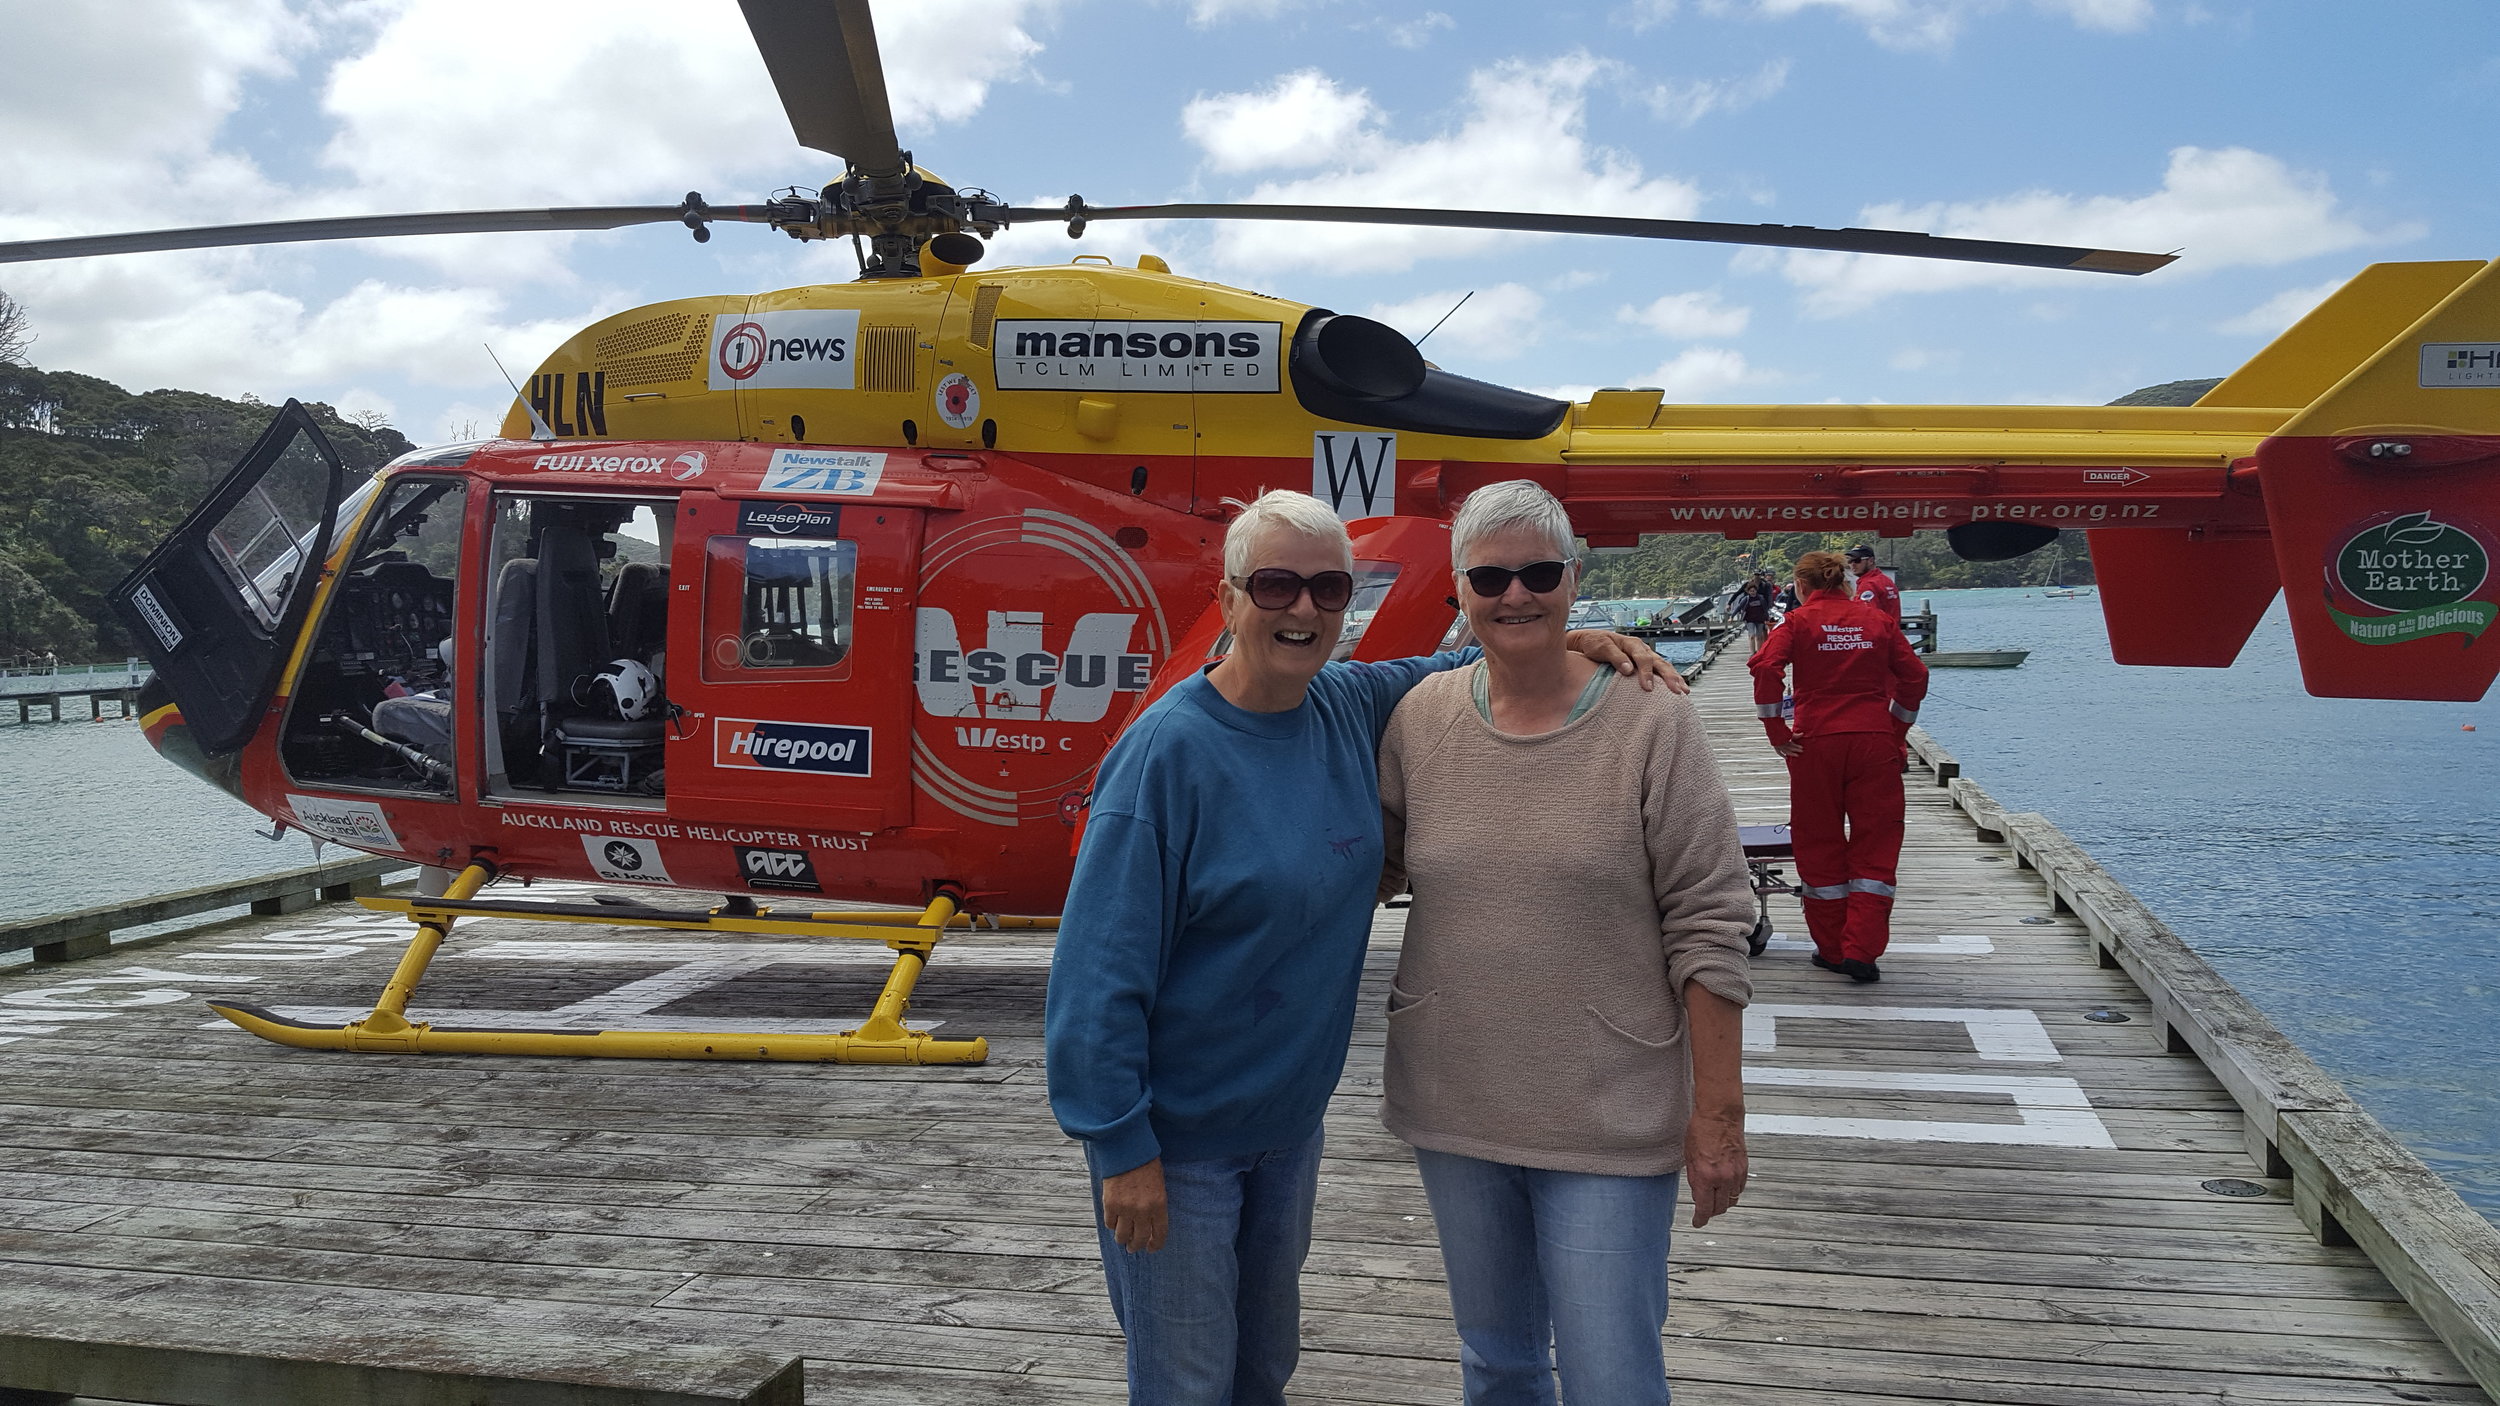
x=836 y=595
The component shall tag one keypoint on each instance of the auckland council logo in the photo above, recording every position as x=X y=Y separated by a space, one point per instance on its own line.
x=2420 y=571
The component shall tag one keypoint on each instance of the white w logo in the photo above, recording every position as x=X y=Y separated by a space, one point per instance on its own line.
x=1359 y=477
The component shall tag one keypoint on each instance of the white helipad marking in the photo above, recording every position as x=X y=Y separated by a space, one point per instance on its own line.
x=1943 y=946
x=1997 y=1034
x=2054 y=1111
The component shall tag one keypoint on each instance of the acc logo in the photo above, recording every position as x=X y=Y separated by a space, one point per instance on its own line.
x=789 y=869
x=826 y=748
x=2419 y=569
x=958 y=400
x=624 y=861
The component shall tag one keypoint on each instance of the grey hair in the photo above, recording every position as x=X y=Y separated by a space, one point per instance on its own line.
x=1500 y=507
x=1281 y=509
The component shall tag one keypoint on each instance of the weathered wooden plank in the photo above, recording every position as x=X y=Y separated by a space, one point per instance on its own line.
x=188 y=1341
x=2444 y=1258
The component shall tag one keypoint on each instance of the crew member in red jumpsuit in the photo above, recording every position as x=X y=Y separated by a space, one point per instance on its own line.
x=1871 y=585
x=1858 y=690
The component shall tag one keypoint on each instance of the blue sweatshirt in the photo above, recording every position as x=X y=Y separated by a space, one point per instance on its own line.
x=1203 y=988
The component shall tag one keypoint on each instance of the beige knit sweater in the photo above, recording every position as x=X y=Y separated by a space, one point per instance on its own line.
x=1566 y=887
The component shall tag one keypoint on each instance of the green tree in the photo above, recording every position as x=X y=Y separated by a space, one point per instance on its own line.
x=92 y=477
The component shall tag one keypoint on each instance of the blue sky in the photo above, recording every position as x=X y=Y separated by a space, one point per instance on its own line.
x=2282 y=145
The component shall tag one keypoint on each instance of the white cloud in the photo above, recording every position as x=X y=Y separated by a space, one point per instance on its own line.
x=112 y=111
x=1417 y=32
x=1689 y=317
x=194 y=320
x=1645 y=14
x=1703 y=373
x=2280 y=311
x=1920 y=358
x=626 y=99
x=1524 y=130
x=1207 y=12
x=1496 y=323
x=1935 y=24
x=2223 y=208
x=1687 y=102
x=446 y=104
x=1303 y=119
x=1694 y=376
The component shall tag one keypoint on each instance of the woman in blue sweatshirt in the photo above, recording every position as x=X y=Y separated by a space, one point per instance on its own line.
x=1203 y=988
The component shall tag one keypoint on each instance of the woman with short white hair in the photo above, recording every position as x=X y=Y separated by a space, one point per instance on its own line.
x=1202 y=992
x=1566 y=1015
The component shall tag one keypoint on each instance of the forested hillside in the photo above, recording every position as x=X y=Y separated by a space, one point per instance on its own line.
x=91 y=476
x=1688 y=565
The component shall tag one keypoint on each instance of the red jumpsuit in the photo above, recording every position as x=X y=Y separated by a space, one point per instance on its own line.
x=1858 y=690
x=1876 y=589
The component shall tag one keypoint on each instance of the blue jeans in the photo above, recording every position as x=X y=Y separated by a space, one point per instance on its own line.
x=1214 y=1318
x=1566 y=1259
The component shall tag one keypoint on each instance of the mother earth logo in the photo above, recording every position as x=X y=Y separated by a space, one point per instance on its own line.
x=2420 y=569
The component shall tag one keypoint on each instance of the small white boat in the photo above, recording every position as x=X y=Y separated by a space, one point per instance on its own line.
x=1591 y=615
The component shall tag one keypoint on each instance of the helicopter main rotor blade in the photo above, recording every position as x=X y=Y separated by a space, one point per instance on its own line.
x=823 y=57
x=377 y=226
x=1849 y=241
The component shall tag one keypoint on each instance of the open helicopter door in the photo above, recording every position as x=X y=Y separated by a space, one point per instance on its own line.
x=218 y=605
x=790 y=636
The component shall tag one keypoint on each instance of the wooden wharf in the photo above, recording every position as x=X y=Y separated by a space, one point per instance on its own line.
x=47 y=686
x=1968 y=1187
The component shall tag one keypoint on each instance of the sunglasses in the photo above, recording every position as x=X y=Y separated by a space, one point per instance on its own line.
x=1538 y=576
x=1274 y=588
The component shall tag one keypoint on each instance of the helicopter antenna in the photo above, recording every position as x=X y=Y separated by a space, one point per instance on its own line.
x=539 y=429
x=1419 y=341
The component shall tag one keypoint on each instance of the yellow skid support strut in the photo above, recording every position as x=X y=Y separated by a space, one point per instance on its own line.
x=881 y=1039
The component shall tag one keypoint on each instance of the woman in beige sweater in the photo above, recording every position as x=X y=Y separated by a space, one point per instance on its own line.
x=1565 y=1021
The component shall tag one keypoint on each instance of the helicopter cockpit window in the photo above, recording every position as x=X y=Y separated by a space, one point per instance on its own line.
x=778 y=608
x=262 y=541
x=372 y=708
x=1372 y=580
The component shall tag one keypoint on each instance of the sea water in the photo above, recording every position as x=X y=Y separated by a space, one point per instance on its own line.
x=2338 y=860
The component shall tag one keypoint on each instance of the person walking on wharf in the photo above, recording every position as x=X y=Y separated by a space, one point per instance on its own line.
x=1202 y=991
x=1565 y=1020
x=1859 y=685
x=1869 y=583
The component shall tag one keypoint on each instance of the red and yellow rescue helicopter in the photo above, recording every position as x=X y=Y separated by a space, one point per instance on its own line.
x=840 y=592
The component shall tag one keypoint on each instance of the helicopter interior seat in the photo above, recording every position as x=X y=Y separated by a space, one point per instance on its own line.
x=638 y=614
x=590 y=752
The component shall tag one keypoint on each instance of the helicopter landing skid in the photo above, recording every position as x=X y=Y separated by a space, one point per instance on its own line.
x=881 y=1039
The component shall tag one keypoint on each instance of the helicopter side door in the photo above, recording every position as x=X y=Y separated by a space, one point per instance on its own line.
x=792 y=625
x=219 y=604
